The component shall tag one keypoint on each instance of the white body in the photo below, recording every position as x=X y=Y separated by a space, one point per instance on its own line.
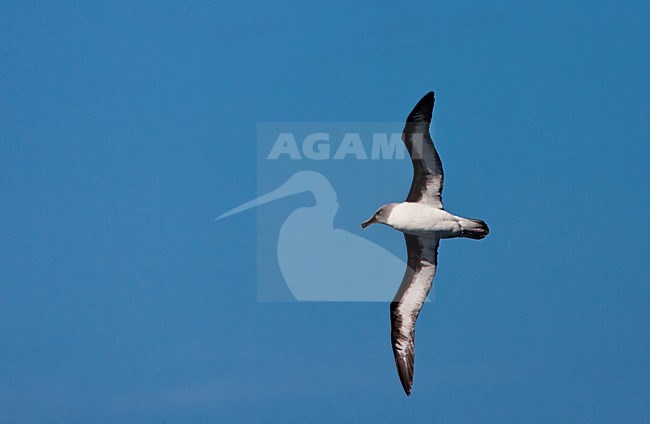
x=421 y=220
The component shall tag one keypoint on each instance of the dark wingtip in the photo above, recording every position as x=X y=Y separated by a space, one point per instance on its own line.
x=405 y=377
x=406 y=385
x=423 y=109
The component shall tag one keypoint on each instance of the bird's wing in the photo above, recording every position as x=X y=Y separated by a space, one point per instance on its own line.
x=428 y=176
x=405 y=307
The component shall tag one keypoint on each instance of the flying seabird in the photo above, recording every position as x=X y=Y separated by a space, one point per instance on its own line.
x=424 y=222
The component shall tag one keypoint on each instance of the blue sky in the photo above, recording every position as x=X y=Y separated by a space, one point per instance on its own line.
x=126 y=129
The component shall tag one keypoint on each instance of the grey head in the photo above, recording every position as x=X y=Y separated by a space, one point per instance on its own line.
x=381 y=216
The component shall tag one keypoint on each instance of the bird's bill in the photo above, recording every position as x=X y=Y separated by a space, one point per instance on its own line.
x=369 y=222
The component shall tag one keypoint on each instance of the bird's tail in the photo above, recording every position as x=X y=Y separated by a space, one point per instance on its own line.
x=474 y=229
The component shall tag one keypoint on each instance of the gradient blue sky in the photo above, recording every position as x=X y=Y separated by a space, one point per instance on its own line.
x=126 y=129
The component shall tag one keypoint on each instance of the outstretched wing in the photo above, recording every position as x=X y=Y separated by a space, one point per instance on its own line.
x=405 y=307
x=428 y=176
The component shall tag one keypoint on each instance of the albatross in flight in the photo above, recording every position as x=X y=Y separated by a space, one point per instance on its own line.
x=424 y=222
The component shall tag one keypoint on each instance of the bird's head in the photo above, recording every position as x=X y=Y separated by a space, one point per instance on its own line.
x=381 y=216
